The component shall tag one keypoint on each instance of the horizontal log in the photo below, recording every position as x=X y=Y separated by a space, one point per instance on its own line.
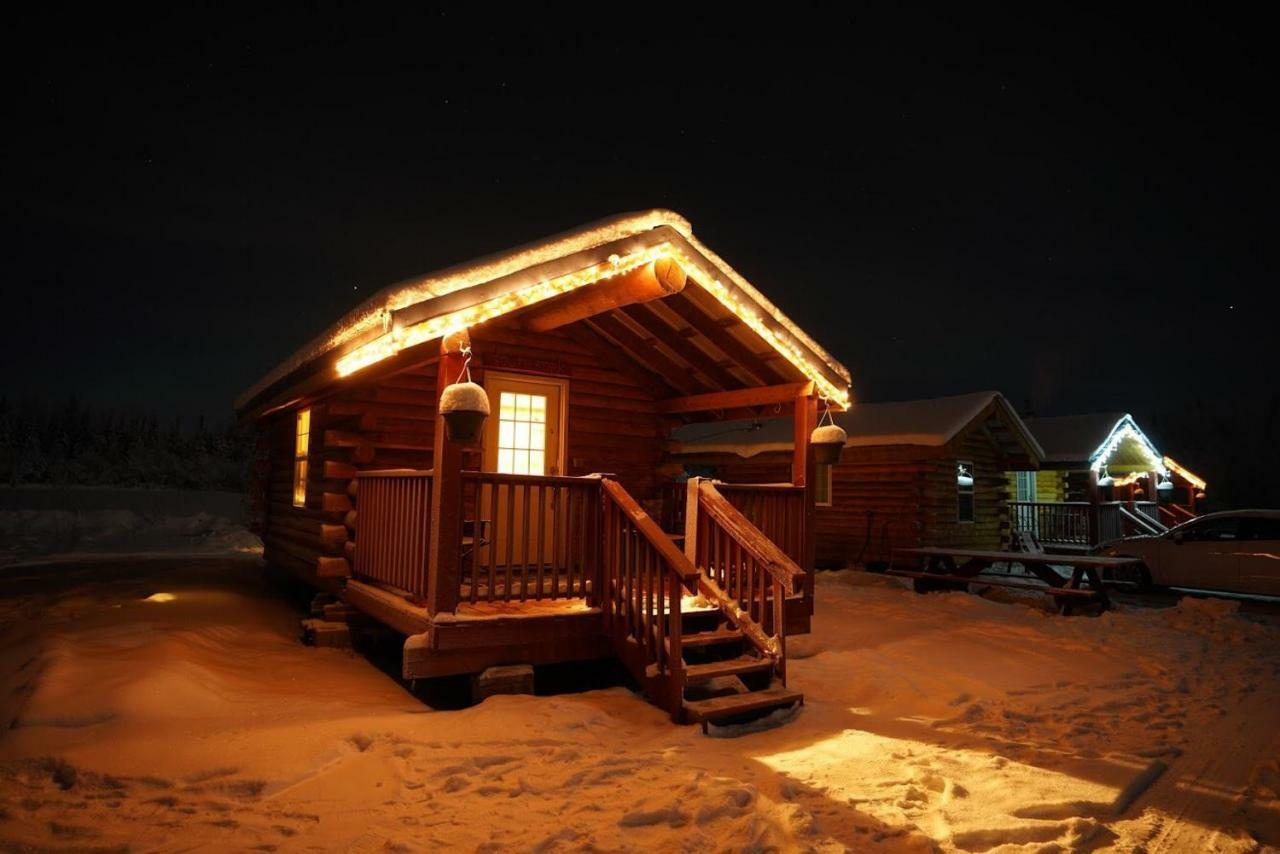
x=333 y=534
x=333 y=567
x=758 y=396
x=333 y=502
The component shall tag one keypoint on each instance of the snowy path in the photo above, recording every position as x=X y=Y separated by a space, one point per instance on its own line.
x=169 y=705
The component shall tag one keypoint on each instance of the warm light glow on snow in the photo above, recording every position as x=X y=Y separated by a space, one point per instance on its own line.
x=160 y=597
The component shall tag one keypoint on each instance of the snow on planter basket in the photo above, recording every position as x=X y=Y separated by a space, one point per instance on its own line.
x=464 y=407
x=828 y=441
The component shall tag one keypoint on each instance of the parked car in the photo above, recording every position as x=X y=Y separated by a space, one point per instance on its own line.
x=1236 y=551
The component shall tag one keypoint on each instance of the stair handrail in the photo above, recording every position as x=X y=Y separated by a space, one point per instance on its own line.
x=643 y=644
x=748 y=537
x=1142 y=522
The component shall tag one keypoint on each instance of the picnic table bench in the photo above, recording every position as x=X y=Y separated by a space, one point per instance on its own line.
x=1083 y=587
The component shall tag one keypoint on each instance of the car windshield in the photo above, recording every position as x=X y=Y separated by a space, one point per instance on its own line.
x=1209 y=530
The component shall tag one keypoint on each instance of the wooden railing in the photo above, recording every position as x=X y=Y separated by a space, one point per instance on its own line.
x=775 y=509
x=1150 y=509
x=1139 y=522
x=644 y=577
x=394 y=529
x=528 y=537
x=1052 y=523
x=745 y=572
x=1175 y=514
x=1110 y=523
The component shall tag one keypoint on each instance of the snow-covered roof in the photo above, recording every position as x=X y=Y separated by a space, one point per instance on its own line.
x=932 y=423
x=597 y=242
x=1089 y=439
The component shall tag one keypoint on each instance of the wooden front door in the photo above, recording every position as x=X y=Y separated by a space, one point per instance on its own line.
x=522 y=437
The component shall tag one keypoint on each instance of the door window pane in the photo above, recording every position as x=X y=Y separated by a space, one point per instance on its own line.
x=522 y=433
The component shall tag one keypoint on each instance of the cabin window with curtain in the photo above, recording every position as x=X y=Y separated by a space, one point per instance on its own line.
x=822 y=485
x=301 y=449
x=964 y=491
x=522 y=433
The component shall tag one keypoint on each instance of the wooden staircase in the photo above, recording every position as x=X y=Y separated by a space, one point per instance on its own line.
x=722 y=657
x=726 y=679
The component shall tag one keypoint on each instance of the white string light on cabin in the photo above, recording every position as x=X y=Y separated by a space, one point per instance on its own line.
x=400 y=338
x=1119 y=433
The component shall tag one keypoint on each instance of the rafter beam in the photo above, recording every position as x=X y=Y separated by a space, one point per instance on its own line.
x=724 y=340
x=761 y=396
x=646 y=354
x=698 y=359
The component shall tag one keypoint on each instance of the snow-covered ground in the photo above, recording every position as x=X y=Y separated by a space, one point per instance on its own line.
x=167 y=705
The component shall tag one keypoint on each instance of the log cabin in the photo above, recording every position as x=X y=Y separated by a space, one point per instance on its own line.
x=532 y=538
x=1102 y=478
x=912 y=473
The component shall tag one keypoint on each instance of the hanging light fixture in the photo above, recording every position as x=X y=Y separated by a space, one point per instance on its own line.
x=964 y=477
x=1165 y=485
x=1104 y=478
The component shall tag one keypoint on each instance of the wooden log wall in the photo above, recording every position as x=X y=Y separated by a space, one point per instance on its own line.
x=613 y=425
x=990 y=526
x=383 y=424
x=1050 y=485
x=893 y=496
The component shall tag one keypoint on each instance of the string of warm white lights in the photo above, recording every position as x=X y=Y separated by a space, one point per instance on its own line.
x=400 y=338
x=1189 y=476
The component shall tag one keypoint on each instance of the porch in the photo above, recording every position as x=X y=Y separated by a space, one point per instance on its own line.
x=538 y=569
x=1082 y=526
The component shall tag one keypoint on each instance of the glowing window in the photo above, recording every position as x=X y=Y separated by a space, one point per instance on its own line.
x=822 y=485
x=301 y=443
x=522 y=433
x=964 y=491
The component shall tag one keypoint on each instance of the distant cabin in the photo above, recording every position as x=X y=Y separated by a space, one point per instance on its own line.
x=535 y=534
x=1102 y=478
x=913 y=473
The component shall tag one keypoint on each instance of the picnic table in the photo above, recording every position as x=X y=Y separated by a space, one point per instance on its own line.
x=1083 y=587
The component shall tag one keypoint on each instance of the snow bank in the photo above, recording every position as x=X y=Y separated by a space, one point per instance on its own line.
x=131 y=522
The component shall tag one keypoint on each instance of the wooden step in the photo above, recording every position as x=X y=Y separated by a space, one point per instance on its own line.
x=695 y=673
x=724 y=634
x=732 y=705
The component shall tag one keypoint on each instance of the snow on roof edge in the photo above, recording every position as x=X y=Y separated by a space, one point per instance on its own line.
x=859 y=436
x=373 y=310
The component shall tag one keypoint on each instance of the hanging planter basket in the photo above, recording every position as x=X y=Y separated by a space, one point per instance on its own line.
x=827 y=442
x=964 y=477
x=464 y=406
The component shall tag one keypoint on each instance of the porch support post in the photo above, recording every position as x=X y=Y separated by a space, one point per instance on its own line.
x=803 y=474
x=1095 y=497
x=691 y=519
x=445 y=546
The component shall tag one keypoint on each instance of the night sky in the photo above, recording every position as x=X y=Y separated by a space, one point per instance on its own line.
x=1076 y=209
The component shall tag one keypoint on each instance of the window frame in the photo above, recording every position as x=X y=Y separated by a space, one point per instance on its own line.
x=962 y=491
x=301 y=455
x=822 y=475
